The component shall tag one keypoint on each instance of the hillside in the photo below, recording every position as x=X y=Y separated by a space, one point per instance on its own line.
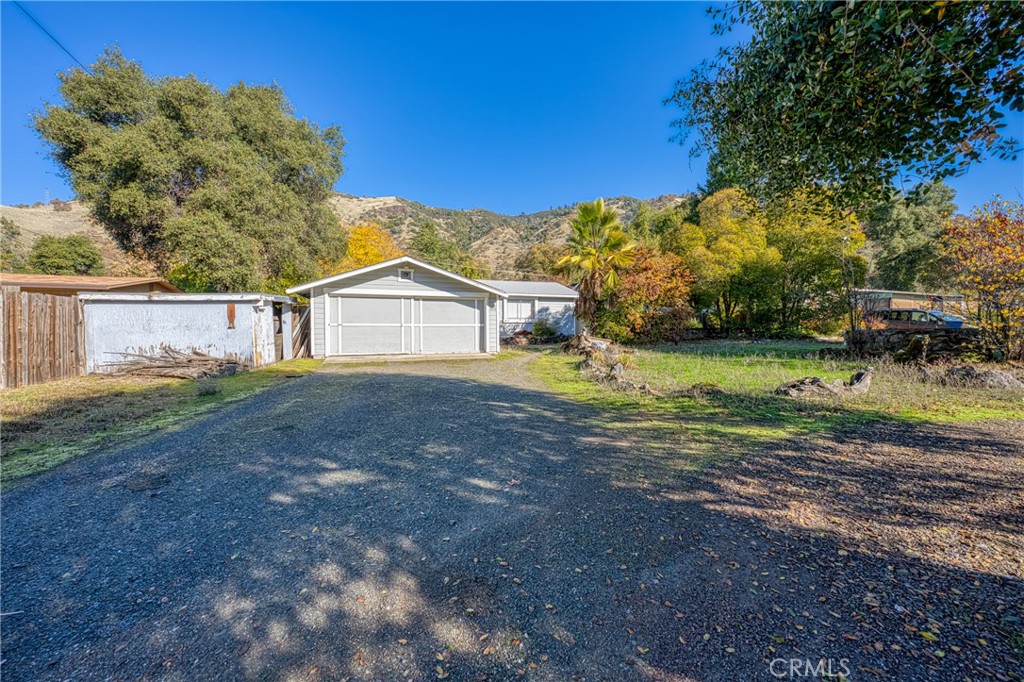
x=494 y=238
x=44 y=219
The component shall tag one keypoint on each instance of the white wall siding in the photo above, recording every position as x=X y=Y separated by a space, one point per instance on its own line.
x=263 y=350
x=492 y=322
x=115 y=324
x=286 y=331
x=560 y=314
x=318 y=321
x=116 y=327
x=388 y=282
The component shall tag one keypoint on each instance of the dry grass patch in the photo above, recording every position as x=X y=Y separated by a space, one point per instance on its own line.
x=45 y=425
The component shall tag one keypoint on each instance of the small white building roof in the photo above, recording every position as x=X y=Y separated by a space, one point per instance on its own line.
x=183 y=297
x=529 y=288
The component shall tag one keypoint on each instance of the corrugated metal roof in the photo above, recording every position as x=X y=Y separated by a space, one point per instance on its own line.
x=888 y=293
x=528 y=288
x=164 y=297
x=81 y=282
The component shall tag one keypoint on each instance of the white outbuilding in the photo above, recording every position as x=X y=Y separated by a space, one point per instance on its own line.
x=255 y=329
x=405 y=306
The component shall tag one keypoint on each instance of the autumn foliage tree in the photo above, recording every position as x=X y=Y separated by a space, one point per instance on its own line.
x=650 y=302
x=366 y=244
x=722 y=250
x=814 y=249
x=986 y=252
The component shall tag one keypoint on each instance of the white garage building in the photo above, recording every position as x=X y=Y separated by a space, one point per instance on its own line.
x=405 y=306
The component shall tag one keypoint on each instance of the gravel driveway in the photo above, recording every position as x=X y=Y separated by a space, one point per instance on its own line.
x=422 y=521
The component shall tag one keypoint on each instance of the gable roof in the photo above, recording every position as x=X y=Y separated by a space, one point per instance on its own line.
x=82 y=282
x=401 y=260
x=532 y=288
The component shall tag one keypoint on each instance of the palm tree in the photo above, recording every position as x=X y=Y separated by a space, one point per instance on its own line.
x=599 y=249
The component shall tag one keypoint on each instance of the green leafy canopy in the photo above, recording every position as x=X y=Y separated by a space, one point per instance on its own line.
x=850 y=95
x=222 y=190
x=71 y=255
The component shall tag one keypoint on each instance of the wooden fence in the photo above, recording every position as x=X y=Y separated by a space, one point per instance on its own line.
x=300 y=331
x=41 y=339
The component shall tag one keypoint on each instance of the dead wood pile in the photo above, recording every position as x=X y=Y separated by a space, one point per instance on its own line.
x=859 y=384
x=972 y=377
x=171 y=362
x=603 y=362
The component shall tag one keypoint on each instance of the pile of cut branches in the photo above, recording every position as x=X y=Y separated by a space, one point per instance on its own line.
x=171 y=362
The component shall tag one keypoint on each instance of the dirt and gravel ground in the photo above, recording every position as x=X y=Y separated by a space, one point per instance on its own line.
x=456 y=521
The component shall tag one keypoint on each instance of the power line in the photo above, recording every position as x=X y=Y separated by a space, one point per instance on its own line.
x=52 y=37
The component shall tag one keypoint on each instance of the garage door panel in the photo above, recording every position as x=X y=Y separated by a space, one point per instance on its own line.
x=450 y=340
x=365 y=325
x=357 y=310
x=449 y=312
x=371 y=340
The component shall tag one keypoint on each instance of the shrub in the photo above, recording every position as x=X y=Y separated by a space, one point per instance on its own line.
x=986 y=253
x=11 y=257
x=72 y=255
x=208 y=386
x=650 y=303
x=542 y=331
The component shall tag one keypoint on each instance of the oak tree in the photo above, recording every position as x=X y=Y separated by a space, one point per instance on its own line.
x=220 y=189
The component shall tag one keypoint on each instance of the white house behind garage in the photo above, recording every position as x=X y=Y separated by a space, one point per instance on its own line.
x=529 y=302
x=406 y=306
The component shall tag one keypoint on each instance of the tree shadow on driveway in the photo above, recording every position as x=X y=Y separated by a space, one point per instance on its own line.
x=395 y=525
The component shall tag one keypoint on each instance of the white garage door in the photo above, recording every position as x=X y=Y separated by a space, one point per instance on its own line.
x=365 y=325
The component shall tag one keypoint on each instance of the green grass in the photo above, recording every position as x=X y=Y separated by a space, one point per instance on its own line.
x=43 y=426
x=747 y=372
x=715 y=399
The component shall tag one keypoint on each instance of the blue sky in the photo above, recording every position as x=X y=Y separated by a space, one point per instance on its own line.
x=510 y=107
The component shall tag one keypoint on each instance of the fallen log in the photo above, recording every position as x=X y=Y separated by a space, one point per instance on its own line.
x=859 y=384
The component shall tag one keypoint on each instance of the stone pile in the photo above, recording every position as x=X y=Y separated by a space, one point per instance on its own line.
x=926 y=345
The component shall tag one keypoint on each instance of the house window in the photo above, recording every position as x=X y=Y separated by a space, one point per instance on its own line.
x=406 y=275
x=519 y=310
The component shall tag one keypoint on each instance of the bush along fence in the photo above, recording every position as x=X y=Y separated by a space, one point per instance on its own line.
x=42 y=338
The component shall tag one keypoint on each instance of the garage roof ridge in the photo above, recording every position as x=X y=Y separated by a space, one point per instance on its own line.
x=398 y=261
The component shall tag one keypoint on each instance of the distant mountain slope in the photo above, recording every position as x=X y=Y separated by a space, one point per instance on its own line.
x=44 y=219
x=496 y=239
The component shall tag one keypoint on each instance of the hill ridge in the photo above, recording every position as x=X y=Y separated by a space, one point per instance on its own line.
x=496 y=239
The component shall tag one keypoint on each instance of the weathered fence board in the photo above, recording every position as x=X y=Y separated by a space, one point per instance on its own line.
x=41 y=338
x=300 y=331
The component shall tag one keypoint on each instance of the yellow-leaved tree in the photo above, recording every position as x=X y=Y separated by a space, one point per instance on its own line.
x=367 y=244
x=722 y=250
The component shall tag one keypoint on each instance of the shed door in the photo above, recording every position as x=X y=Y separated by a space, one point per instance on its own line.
x=370 y=325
